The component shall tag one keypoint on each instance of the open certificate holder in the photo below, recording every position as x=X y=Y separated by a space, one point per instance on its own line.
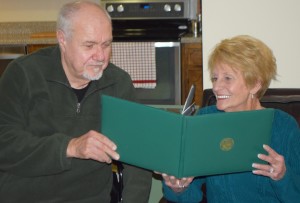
x=185 y=146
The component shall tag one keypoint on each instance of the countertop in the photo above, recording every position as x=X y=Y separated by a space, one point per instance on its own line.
x=23 y=33
x=190 y=38
x=13 y=33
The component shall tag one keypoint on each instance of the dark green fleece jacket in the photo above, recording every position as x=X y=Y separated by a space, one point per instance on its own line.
x=39 y=114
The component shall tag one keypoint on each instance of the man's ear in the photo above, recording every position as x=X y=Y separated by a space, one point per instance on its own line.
x=61 y=39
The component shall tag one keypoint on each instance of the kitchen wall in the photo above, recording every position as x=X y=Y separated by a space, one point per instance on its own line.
x=274 y=22
x=31 y=10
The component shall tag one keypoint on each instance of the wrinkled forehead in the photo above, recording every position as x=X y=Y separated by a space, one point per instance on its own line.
x=88 y=25
x=91 y=15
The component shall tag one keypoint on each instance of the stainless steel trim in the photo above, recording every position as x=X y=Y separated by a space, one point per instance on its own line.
x=12 y=51
x=192 y=10
x=167 y=44
x=9 y=56
x=177 y=77
x=189 y=12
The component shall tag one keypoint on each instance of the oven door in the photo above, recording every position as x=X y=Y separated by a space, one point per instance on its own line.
x=167 y=89
x=154 y=68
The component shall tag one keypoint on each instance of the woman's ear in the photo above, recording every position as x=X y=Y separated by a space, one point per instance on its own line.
x=255 y=88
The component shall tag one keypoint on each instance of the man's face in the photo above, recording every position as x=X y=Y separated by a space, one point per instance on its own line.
x=86 y=53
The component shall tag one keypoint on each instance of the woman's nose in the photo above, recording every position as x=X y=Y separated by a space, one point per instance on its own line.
x=217 y=85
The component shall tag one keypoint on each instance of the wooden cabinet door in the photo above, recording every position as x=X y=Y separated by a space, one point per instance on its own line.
x=34 y=47
x=192 y=71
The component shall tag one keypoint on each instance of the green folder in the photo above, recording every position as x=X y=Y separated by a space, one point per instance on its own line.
x=185 y=146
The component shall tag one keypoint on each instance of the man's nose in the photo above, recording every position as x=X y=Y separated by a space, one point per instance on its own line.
x=98 y=54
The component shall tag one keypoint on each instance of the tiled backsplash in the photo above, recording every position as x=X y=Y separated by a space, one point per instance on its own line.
x=26 y=27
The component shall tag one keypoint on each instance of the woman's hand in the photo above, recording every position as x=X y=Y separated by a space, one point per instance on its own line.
x=177 y=184
x=275 y=169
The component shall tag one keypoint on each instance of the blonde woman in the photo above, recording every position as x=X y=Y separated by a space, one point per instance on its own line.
x=241 y=69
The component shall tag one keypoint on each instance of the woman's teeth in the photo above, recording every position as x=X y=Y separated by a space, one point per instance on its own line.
x=223 y=97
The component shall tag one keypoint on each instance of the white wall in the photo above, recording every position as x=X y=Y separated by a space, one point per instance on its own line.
x=274 y=22
x=31 y=10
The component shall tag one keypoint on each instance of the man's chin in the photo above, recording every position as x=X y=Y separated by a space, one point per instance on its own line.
x=92 y=76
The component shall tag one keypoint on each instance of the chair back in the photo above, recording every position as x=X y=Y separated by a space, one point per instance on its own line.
x=286 y=99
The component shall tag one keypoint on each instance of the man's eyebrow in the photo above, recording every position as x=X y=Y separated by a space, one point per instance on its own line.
x=89 y=42
x=107 y=41
x=94 y=42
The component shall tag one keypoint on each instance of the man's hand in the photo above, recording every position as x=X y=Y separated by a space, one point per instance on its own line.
x=93 y=145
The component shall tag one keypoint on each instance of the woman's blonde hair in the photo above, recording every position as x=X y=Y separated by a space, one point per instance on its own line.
x=250 y=56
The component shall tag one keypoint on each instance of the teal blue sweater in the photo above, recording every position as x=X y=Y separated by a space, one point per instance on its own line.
x=247 y=187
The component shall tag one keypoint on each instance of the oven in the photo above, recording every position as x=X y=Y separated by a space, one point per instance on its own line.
x=147 y=45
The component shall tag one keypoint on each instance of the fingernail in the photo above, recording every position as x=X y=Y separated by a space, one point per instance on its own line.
x=259 y=155
x=117 y=157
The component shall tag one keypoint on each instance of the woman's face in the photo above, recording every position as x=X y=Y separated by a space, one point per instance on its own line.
x=230 y=89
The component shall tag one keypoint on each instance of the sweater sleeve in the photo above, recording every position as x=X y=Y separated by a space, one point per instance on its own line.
x=192 y=194
x=20 y=148
x=136 y=184
x=288 y=188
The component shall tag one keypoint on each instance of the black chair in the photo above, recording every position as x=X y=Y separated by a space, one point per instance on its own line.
x=286 y=99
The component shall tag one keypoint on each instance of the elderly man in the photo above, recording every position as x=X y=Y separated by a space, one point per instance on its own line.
x=51 y=149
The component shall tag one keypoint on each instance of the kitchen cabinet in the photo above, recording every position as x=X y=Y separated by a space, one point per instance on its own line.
x=191 y=71
x=34 y=47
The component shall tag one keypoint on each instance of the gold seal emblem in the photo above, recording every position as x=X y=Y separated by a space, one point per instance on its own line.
x=226 y=144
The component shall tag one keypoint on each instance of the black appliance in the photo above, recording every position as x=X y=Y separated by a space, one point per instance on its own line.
x=163 y=22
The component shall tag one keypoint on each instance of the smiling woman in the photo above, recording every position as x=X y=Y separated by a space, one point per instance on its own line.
x=241 y=69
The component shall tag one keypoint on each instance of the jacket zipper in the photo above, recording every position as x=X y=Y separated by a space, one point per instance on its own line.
x=78 y=108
